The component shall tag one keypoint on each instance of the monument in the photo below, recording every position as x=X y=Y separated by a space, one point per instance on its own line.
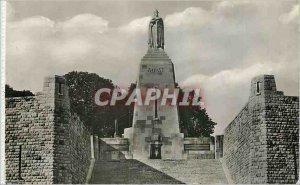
x=155 y=133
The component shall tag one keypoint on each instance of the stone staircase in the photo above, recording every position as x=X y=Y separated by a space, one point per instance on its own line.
x=206 y=171
x=193 y=171
x=128 y=171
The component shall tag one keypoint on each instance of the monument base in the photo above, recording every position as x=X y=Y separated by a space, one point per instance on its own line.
x=169 y=147
x=155 y=133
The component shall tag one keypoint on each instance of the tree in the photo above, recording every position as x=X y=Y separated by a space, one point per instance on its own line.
x=10 y=92
x=82 y=89
x=194 y=121
x=124 y=114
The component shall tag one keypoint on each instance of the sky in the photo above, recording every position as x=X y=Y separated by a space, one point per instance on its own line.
x=217 y=46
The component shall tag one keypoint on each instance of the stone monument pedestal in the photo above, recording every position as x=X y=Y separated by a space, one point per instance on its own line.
x=155 y=133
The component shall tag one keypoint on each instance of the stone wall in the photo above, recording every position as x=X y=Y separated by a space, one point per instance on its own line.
x=282 y=138
x=80 y=150
x=237 y=147
x=114 y=149
x=45 y=142
x=261 y=143
x=29 y=140
x=118 y=148
x=219 y=140
x=199 y=148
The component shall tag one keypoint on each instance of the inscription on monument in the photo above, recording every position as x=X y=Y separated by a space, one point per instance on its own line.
x=155 y=70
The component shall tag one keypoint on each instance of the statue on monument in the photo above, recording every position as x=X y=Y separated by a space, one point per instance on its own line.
x=156 y=32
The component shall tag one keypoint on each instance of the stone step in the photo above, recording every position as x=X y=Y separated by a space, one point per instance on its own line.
x=149 y=171
x=156 y=56
x=128 y=172
x=193 y=171
x=160 y=54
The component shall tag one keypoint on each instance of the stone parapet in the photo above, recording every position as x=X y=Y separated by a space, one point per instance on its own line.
x=44 y=141
x=199 y=148
x=261 y=143
x=114 y=148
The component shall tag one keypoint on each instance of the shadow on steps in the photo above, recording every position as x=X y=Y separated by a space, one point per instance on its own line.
x=128 y=171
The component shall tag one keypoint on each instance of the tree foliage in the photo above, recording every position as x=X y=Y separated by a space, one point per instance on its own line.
x=194 y=121
x=82 y=89
x=10 y=92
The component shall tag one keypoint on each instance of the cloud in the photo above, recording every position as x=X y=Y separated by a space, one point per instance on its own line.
x=232 y=77
x=32 y=23
x=293 y=15
x=218 y=49
x=226 y=92
x=84 y=42
x=238 y=42
x=192 y=16
x=87 y=22
x=137 y=25
x=229 y=4
x=70 y=49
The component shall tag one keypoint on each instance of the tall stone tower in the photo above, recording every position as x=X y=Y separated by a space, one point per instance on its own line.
x=155 y=133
